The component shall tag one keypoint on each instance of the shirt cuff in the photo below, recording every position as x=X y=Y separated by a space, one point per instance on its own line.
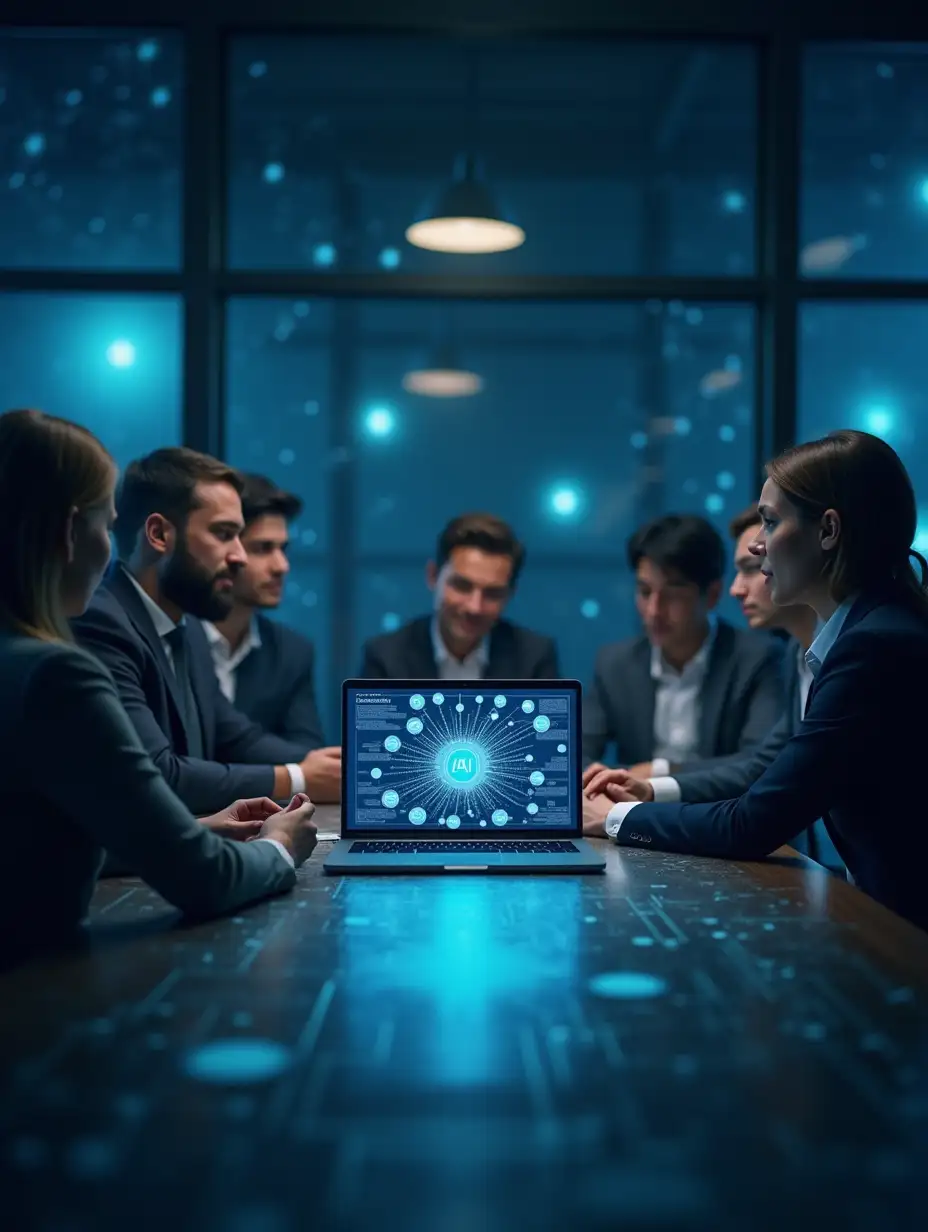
x=280 y=847
x=660 y=767
x=297 y=777
x=666 y=790
x=617 y=815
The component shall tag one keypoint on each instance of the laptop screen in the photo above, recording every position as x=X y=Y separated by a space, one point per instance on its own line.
x=462 y=757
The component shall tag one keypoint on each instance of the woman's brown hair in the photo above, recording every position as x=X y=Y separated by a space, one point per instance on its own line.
x=864 y=481
x=48 y=467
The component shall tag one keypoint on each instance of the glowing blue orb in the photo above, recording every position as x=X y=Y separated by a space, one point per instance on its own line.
x=499 y=701
x=638 y=440
x=462 y=765
x=541 y=723
x=417 y=701
x=734 y=202
x=34 y=145
x=414 y=726
x=532 y=809
x=529 y=757
x=417 y=816
x=682 y=426
x=725 y=480
x=460 y=707
x=500 y=817
x=536 y=778
x=147 y=51
x=562 y=748
x=324 y=255
x=726 y=433
x=379 y=421
x=389 y=258
x=528 y=706
x=389 y=622
x=714 y=503
x=257 y=69
x=376 y=773
x=392 y=744
x=453 y=822
x=923 y=192
x=390 y=799
x=626 y=985
x=438 y=699
x=479 y=700
x=160 y=96
x=273 y=173
x=120 y=354
x=73 y=98
x=589 y=609
x=237 y=1061
x=879 y=420
x=564 y=501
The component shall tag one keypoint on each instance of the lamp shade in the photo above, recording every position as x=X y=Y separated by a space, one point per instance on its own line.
x=465 y=218
x=442 y=376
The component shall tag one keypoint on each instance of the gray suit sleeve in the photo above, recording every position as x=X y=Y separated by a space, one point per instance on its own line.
x=109 y=785
x=728 y=777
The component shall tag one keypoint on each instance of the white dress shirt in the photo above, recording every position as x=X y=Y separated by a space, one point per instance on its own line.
x=227 y=661
x=667 y=790
x=471 y=667
x=678 y=705
x=164 y=626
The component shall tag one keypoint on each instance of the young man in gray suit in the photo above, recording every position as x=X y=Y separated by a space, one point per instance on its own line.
x=728 y=777
x=693 y=687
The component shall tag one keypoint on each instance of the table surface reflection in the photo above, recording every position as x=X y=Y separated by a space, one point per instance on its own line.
x=681 y=1043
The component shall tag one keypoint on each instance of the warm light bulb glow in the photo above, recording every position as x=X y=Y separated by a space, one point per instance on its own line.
x=443 y=383
x=469 y=235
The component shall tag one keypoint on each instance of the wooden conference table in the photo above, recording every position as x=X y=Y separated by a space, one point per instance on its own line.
x=683 y=1043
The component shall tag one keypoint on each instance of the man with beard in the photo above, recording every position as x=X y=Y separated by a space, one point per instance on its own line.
x=179 y=521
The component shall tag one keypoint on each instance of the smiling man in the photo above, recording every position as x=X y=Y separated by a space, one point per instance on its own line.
x=472 y=578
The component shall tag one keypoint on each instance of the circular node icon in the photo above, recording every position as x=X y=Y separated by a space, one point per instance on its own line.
x=532 y=808
x=541 y=723
x=438 y=698
x=390 y=799
x=500 y=817
x=417 y=816
x=376 y=772
x=562 y=748
x=499 y=701
x=417 y=701
x=392 y=744
x=528 y=706
x=453 y=822
x=536 y=778
x=414 y=726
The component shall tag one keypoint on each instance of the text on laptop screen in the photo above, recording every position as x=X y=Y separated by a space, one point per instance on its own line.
x=465 y=758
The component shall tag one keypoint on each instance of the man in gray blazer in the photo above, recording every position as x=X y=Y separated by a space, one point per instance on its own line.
x=693 y=688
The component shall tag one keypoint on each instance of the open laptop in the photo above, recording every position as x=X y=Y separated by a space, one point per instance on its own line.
x=455 y=776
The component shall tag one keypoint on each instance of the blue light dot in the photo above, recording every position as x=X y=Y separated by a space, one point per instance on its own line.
x=879 y=420
x=638 y=440
x=73 y=98
x=438 y=699
x=379 y=421
x=273 y=173
x=390 y=622
x=257 y=69
x=160 y=96
x=479 y=700
x=528 y=706
x=324 y=255
x=233 y=1061
x=453 y=822
x=389 y=258
x=417 y=701
x=120 y=354
x=541 y=723
x=417 y=816
x=500 y=817
x=714 y=503
x=532 y=809
x=390 y=799
x=565 y=501
x=589 y=609
x=562 y=748
x=694 y=316
x=626 y=985
x=499 y=701
x=392 y=744
x=732 y=363
x=414 y=726
x=921 y=534
x=884 y=70
x=725 y=480
x=460 y=707
x=529 y=757
x=147 y=51
x=734 y=202
x=682 y=426
x=17 y=179
x=286 y=457
x=34 y=144
x=536 y=778
x=376 y=773
x=726 y=433
x=923 y=192
x=96 y=226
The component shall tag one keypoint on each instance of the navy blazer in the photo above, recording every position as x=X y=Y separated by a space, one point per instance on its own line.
x=274 y=686
x=853 y=762
x=741 y=698
x=407 y=654
x=239 y=758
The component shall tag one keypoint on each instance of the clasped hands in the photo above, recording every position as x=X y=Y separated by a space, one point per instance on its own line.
x=602 y=788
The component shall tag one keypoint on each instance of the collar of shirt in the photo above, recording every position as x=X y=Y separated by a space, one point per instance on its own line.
x=827 y=636
x=159 y=618
x=694 y=669
x=478 y=657
x=223 y=652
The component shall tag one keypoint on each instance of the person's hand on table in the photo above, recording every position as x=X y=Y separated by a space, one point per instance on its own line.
x=293 y=827
x=595 y=812
x=242 y=820
x=619 y=786
x=322 y=772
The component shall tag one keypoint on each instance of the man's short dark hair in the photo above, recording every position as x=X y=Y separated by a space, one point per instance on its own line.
x=164 y=482
x=262 y=498
x=486 y=533
x=688 y=544
x=743 y=521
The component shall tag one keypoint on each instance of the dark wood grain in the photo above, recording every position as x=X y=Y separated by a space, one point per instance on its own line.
x=448 y=1063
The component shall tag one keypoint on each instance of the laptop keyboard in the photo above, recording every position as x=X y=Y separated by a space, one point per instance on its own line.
x=522 y=847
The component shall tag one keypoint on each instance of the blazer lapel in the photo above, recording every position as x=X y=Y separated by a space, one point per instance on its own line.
x=714 y=690
x=121 y=586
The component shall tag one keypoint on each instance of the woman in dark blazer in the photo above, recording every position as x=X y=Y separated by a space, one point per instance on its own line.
x=74 y=778
x=838 y=521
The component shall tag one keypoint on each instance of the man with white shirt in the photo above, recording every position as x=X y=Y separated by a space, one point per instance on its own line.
x=472 y=578
x=178 y=532
x=692 y=688
x=266 y=669
x=724 y=778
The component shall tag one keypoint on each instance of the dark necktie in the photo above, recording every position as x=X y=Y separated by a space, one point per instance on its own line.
x=177 y=640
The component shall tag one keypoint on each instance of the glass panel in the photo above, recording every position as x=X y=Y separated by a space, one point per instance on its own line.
x=613 y=157
x=863 y=366
x=865 y=165
x=279 y=370
x=109 y=362
x=90 y=139
x=305 y=607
